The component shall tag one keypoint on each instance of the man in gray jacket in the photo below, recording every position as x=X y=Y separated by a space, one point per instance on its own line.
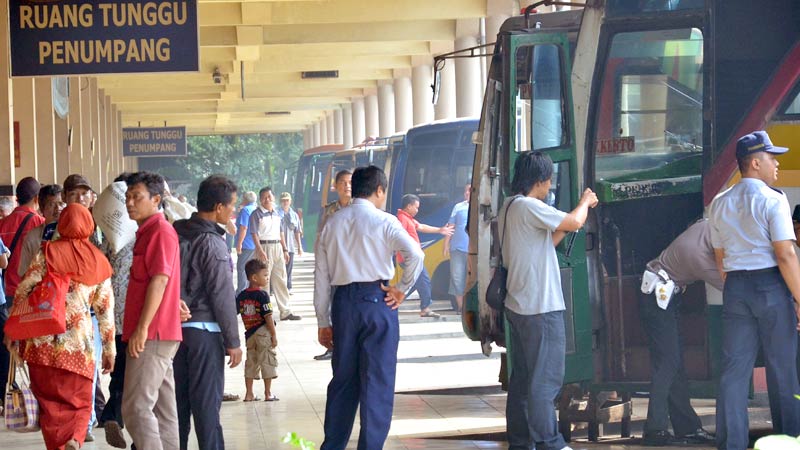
x=213 y=330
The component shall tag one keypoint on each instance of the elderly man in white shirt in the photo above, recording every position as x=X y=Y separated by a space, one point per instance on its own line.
x=360 y=323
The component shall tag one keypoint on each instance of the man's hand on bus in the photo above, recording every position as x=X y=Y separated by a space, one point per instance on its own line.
x=325 y=337
x=394 y=297
x=447 y=230
x=589 y=198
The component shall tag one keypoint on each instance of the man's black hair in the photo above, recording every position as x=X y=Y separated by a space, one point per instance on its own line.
x=27 y=189
x=744 y=161
x=153 y=182
x=531 y=168
x=123 y=177
x=366 y=181
x=49 y=190
x=340 y=174
x=215 y=190
x=253 y=266
x=263 y=190
x=407 y=200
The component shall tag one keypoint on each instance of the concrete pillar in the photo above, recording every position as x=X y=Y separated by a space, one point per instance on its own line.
x=445 y=108
x=74 y=123
x=421 y=81
x=315 y=134
x=338 y=127
x=359 y=120
x=115 y=143
x=62 y=151
x=25 y=115
x=86 y=125
x=45 y=130
x=468 y=70
x=110 y=168
x=7 y=166
x=102 y=141
x=323 y=131
x=94 y=143
x=306 y=138
x=403 y=101
x=347 y=125
x=371 y=117
x=385 y=108
x=331 y=127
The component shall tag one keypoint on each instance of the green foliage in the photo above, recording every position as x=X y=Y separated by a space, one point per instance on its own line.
x=252 y=161
x=296 y=441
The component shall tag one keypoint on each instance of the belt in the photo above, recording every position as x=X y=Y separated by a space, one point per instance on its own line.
x=270 y=242
x=363 y=284
x=754 y=272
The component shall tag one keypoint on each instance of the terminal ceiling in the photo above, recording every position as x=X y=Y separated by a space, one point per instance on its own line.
x=269 y=44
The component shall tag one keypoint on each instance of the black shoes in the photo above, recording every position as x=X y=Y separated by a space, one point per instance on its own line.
x=325 y=356
x=291 y=317
x=665 y=438
x=700 y=436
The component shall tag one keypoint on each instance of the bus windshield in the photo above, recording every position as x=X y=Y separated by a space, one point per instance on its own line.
x=650 y=120
x=628 y=7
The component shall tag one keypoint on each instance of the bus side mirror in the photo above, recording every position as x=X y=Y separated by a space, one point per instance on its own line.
x=438 y=65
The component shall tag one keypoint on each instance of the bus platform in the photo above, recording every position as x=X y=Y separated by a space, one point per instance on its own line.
x=447 y=393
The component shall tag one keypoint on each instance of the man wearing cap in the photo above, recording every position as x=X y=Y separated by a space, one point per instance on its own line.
x=688 y=259
x=13 y=230
x=290 y=226
x=753 y=240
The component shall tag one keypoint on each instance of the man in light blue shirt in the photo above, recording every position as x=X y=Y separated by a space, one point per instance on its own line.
x=354 y=255
x=245 y=247
x=753 y=240
x=457 y=247
x=290 y=227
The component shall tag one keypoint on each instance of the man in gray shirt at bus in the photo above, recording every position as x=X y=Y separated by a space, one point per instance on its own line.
x=689 y=258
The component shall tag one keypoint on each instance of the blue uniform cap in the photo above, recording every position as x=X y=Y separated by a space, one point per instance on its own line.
x=757 y=141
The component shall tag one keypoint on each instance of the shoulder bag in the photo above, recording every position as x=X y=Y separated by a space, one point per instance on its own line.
x=21 y=408
x=497 y=290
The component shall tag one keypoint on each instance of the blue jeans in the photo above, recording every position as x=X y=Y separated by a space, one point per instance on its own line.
x=757 y=310
x=241 y=277
x=538 y=343
x=423 y=287
x=98 y=359
x=366 y=333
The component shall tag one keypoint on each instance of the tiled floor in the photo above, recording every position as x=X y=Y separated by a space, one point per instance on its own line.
x=433 y=355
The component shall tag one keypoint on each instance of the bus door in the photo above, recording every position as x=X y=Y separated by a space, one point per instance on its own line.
x=540 y=117
x=645 y=155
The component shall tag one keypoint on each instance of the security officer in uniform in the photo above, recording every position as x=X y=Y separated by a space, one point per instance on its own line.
x=354 y=255
x=344 y=189
x=753 y=239
x=689 y=258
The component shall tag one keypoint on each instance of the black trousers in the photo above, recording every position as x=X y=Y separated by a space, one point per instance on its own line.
x=199 y=379
x=113 y=409
x=669 y=391
x=4 y=355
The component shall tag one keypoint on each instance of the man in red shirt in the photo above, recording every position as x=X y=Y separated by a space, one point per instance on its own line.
x=151 y=324
x=13 y=229
x=410 y=208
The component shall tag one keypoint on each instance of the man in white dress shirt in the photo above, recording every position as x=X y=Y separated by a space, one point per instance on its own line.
x=360 y=323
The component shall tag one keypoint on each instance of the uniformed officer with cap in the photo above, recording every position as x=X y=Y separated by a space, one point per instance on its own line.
x=753 y=240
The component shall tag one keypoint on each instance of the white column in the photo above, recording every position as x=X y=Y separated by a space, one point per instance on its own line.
x=45 y=131
x=371 y=121
x=347 y=125
x=62 y=163
x=421 y=81
x=323 y=131
x=74 y=124
x=316 y=133
x=7 y=169
x=306 y=138
x=338 y=132
x=445 y=108
x=497 y=12
x=403 y=100
x=468 y=70
x=385 y=108
x=359 y=120
x=331 y=127
x=25 y=114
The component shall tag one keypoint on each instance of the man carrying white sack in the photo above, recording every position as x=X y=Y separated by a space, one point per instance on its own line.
x=689 y=258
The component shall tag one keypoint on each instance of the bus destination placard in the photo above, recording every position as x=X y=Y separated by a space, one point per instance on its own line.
x=77 y=37
x=157 y=141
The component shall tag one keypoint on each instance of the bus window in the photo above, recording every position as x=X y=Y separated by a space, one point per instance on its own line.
x=793 y=108
x=650 y=118
x=425 y=167
x=560 y=193
x=539 y=101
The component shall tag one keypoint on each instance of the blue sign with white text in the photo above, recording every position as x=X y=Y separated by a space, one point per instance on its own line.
x=77 y=37
x=160 y=141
